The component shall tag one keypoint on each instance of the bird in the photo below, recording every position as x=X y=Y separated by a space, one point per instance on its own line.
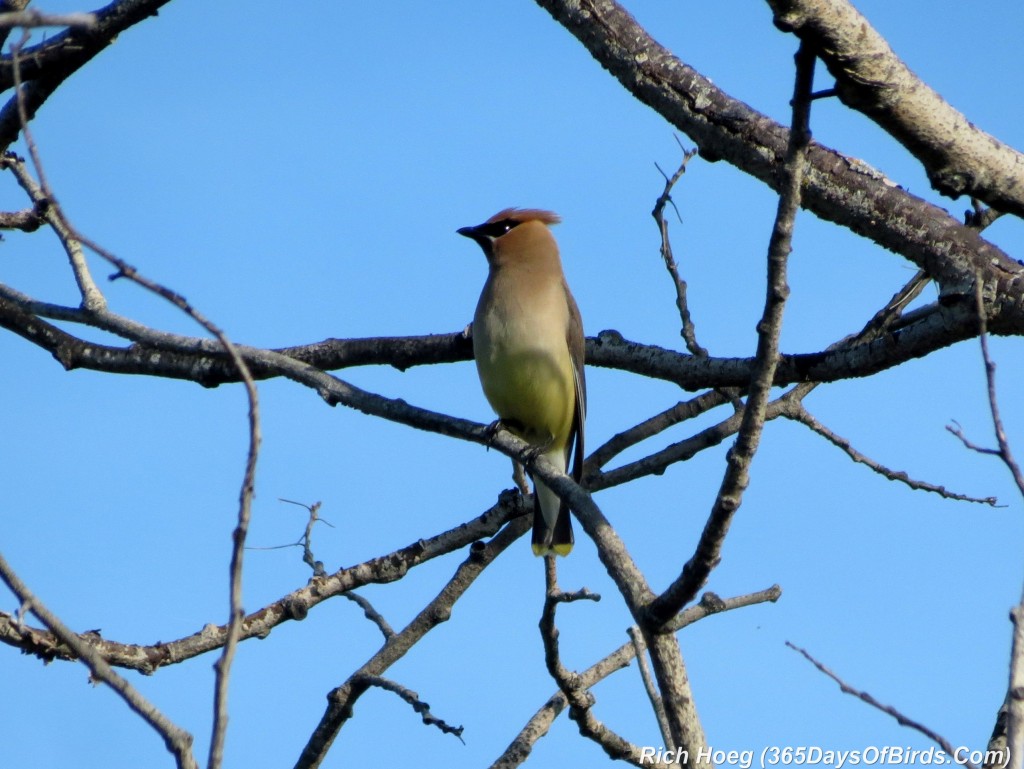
x=528 y=345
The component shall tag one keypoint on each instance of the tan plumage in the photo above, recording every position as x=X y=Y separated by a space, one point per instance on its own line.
x=528 y=345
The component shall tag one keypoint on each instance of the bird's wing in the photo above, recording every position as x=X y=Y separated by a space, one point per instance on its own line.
x=576 y=342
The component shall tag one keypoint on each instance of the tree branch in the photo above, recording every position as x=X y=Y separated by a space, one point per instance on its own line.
x=799 y=413
x=836 y=188
x=708 y=553
x=580 y=700
x=32 y=18
x=411 y=697
x=519 y=749
x=636 y=637
x=687 y=330
x=1015 y=689
x=174 y=356
x=341 y=700
x=50 y=63
x=959 y=158
x=177 y=740
x=293 y=606
x=73 y=240
x=901 y=719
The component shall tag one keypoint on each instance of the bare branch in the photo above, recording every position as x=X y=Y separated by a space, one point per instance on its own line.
x=652 y=426
x=687 y=330
x=293 y=606
x=45 y=205
x=236 y=612
x=957 y=430
x=711 y=604
x=26 y=220
x=306 y=540
x=666 y=656
x=49 y=64
x=888 y=316
x=836 y=188
x=520 y=747
x=959 y=158
x=708 y=552
x=800 y=414
x=342 y=699
x=636 y=637
x=306 y=543
x=1005 y=452
x=422 y=708
x=194 y=359
x=371 y=614
x=33 y=18
x=657 y=462
x=1015 y=689
x=579 y=698
x=177 y=740
x=901 y=719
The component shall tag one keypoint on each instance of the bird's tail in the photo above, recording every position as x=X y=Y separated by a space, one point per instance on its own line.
x=552 y=523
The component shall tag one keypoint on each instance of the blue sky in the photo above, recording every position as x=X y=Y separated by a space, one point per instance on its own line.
x=299 y=174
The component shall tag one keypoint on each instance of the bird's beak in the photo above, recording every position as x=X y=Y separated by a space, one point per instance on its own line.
x=474 y=233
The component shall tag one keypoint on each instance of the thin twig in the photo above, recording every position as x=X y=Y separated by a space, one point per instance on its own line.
x=124 y=269
x=178 y=741
x=413 y=699
x=957 y=430
x=901 y=719
x=1015 y=687
x=519 y=749
x=650 y=686
x=799 y=413
x=341 y=700
x=293 y=606
x=708 y=552
x=657 y=462
x=92 y=298
x=888 y=317
x=580 y=700
x=1005 y=452
x=890 y=313
x=687 y=330
x=306 y=540
x=371 y=614
x=680 y=412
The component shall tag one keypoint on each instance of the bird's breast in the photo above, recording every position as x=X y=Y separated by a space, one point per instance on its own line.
x=523 y=359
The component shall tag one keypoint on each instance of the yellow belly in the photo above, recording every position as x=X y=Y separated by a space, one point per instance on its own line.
x=532 y=391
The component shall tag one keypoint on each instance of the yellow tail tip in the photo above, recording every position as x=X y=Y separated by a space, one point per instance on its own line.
x=562 y=550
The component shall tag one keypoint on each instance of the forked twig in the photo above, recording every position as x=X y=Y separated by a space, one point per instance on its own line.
x=1014 y=704
x=124 y=269
x=736 y=478
x=687 y=330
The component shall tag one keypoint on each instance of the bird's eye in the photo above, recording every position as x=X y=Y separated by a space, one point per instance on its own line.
x=497 y=229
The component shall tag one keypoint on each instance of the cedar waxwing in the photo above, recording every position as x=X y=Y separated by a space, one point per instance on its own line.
x=528 y=345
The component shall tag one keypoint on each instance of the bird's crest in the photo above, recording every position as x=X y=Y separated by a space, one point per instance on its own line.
x=521 y=215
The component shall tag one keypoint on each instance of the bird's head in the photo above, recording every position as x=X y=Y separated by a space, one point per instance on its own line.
x=513 y=230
